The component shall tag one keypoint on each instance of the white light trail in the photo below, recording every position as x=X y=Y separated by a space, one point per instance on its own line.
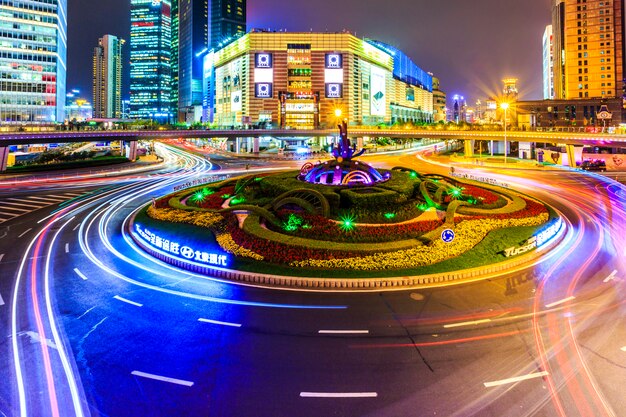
x=515 y=379
x=338 y=394
x=221 y=323
x=563 y=301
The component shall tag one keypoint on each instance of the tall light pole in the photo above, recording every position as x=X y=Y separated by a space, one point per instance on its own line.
x=505 y=106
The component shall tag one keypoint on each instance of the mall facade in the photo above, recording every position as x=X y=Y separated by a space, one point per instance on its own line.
x=313 y=80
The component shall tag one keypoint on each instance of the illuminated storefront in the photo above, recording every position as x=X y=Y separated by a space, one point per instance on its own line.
x=311 y=80
x=33 y=49
x=150 y=52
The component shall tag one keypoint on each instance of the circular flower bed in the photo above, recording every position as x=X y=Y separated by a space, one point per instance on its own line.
x=392 y=226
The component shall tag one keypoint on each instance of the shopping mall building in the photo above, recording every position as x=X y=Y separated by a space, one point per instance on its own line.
x=310 y=80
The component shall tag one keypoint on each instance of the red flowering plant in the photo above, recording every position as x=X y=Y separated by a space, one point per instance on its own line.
x=312 y=226
x=209 y=198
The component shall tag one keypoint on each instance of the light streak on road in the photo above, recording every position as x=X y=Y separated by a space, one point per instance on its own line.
x=338 y=394
x=516 y=379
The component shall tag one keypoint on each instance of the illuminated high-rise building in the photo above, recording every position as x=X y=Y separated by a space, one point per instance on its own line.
x=228 y=20
x=150 y=60
x=548 y=64
x=192 y=40
x=588 y=48
x=107 y=77
x=33 y=60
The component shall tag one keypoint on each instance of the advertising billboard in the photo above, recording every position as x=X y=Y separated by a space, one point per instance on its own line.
x=378 y=89
x=334 y=61
x=334 y=90
x=263 y=60
x=235 y=101
x=263 y=90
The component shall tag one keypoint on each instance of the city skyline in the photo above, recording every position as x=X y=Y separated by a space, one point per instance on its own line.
x=490 y=54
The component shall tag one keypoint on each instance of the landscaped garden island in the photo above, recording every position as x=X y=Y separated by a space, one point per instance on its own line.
x=343 y=218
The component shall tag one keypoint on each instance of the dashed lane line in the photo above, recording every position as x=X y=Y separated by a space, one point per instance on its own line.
x=80 y=274
x=467 y=323
x=338 y=394
x=25 y=232
x=117 y=297
x=67 y=248
x=163 y=378
x=624 y=349
x=343 y=332
x=1 y=300
x=221 y=323
x=515 y=379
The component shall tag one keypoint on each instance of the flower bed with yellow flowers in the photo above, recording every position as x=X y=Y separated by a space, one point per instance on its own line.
x=288 y=236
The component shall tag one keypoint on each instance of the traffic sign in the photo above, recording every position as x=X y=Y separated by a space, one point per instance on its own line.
x=448 y=235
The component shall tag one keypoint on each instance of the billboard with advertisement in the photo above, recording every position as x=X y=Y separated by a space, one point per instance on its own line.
x=235 y=101
x=334 y=61
x=263 y=60
x=378 y=89
x=263 y=90
x=334 y=90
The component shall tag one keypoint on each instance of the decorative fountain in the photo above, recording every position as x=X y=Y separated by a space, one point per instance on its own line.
x=344 y=169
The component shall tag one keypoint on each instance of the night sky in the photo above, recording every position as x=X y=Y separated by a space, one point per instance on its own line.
x=470 y=44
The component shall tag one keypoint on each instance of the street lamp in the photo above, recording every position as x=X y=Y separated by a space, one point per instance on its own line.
x=505 y=106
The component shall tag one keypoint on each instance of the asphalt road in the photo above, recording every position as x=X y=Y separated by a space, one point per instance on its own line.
x=94 y=327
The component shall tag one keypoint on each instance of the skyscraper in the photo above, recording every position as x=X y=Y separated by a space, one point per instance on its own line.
x=228 y=19
x=33 y=60
x=150 y=60
x=107 y=77
x=548 y=64
x=588 y=48
x=193 y=40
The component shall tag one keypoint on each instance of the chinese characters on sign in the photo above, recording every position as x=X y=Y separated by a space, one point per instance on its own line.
x=174 y=248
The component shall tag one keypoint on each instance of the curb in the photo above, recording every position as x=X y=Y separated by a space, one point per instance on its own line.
x=348 y=284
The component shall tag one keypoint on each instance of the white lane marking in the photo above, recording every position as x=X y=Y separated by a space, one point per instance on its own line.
x=624 y=349
x=25 y=232
x=563 y=301
x=467 y=323
x=610 y=277
x=117 y=297
x=1 y=256
x=76 y=227
x=222 y=323
x=515 y=379
x=1 y=300
x=67 y=248
x=163 y=378
x=46 y=200
x=80 y=274
x=9 y=214
x=36 y=338
x=343 y=332
x=5 y=207
x=31 y=205
x=338 y=394
x=58 y=196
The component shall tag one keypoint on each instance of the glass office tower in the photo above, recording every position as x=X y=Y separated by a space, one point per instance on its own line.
x=33 y=37
x=228 y=20
x=193 y=38
x=150 y=60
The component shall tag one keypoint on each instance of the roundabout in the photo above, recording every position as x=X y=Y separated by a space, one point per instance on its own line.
x=344 y=224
